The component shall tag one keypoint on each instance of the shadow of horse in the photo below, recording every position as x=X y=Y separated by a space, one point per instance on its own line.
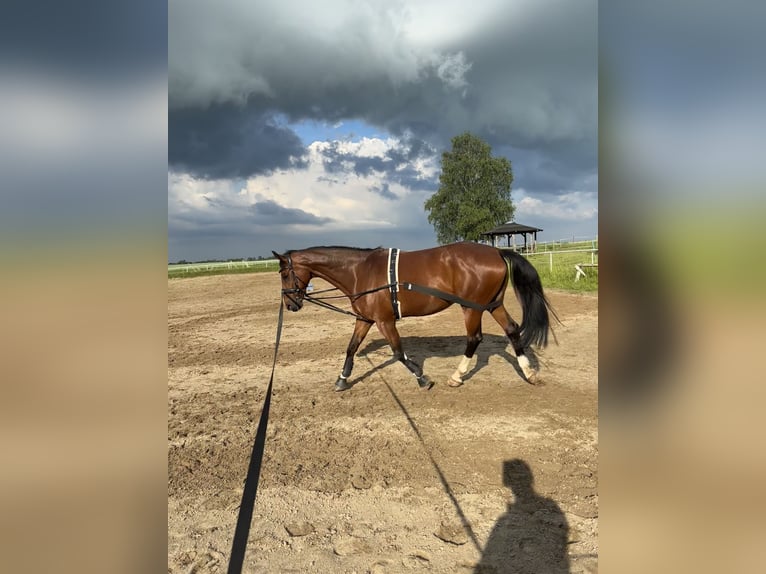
x=445 y=347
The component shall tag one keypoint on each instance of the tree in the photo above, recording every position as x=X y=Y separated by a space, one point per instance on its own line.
x=474 y=192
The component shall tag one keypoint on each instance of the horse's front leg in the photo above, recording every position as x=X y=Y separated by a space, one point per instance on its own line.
x=388 y=330
x=361 y=328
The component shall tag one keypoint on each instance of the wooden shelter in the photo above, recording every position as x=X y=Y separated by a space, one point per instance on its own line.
x=510 y=230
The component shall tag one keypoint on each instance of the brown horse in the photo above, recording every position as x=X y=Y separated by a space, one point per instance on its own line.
x=428 y=281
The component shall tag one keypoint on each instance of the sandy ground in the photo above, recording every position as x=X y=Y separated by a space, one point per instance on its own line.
x=495 y=476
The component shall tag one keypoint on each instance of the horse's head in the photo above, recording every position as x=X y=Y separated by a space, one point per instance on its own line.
x=295 y=279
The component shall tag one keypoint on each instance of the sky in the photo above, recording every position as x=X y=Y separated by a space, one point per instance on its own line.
x=292 y=124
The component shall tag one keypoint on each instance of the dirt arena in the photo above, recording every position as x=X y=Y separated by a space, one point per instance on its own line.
x=495 y=476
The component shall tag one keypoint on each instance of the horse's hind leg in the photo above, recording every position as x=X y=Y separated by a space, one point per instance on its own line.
x=361 y=328
x=388 y=330
x=512 y=331
x=472 y=319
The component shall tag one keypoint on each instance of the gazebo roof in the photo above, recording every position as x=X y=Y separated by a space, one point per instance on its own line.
x=511 y=228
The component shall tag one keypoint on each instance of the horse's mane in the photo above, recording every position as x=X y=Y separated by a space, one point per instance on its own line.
x=333 y=247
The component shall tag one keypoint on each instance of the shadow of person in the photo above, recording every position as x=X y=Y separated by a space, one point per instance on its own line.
x=531 y=537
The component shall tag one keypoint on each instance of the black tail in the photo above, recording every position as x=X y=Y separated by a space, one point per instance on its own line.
x=535 y=306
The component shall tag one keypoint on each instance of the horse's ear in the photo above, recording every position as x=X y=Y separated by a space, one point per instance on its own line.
x=278 y=256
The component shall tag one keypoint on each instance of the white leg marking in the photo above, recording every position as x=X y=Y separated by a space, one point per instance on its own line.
x=527 y=369
x=457 y=377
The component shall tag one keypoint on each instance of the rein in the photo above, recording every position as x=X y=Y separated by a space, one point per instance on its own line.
x=322 y=301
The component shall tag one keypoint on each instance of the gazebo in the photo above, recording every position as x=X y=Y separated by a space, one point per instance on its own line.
x=510 y=230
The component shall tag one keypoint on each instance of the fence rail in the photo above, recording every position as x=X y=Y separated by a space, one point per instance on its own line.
x=187 y=268
x=565 y=257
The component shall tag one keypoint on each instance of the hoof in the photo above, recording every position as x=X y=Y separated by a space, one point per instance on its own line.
x=424 y=383
x=454 y=382
x=532 y=377
x=342 y=385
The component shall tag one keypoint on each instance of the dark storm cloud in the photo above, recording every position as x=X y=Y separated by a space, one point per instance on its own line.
x=276 y=214
x=384 y=191
x=397 y=165
x=548 y=175
x=541 y=110
x=526 y=78
x=230 y=141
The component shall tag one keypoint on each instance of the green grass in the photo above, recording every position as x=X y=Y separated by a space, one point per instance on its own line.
x=221 y=268
x=562 y=276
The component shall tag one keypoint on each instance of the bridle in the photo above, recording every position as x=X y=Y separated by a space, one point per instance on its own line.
x=296 y=289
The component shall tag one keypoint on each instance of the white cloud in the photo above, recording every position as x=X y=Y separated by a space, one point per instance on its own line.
x=346 y=198
x=571 y=206
x=365 y=147
x=437 y=23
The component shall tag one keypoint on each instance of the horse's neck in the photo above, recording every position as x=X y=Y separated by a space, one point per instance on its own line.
x=340 y=273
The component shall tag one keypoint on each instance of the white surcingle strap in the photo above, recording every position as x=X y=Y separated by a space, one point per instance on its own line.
x=393 y=281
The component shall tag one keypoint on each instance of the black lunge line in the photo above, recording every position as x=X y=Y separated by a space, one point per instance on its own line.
x=242 y=530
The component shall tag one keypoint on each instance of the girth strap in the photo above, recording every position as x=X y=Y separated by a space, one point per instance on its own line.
x=393 y=281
